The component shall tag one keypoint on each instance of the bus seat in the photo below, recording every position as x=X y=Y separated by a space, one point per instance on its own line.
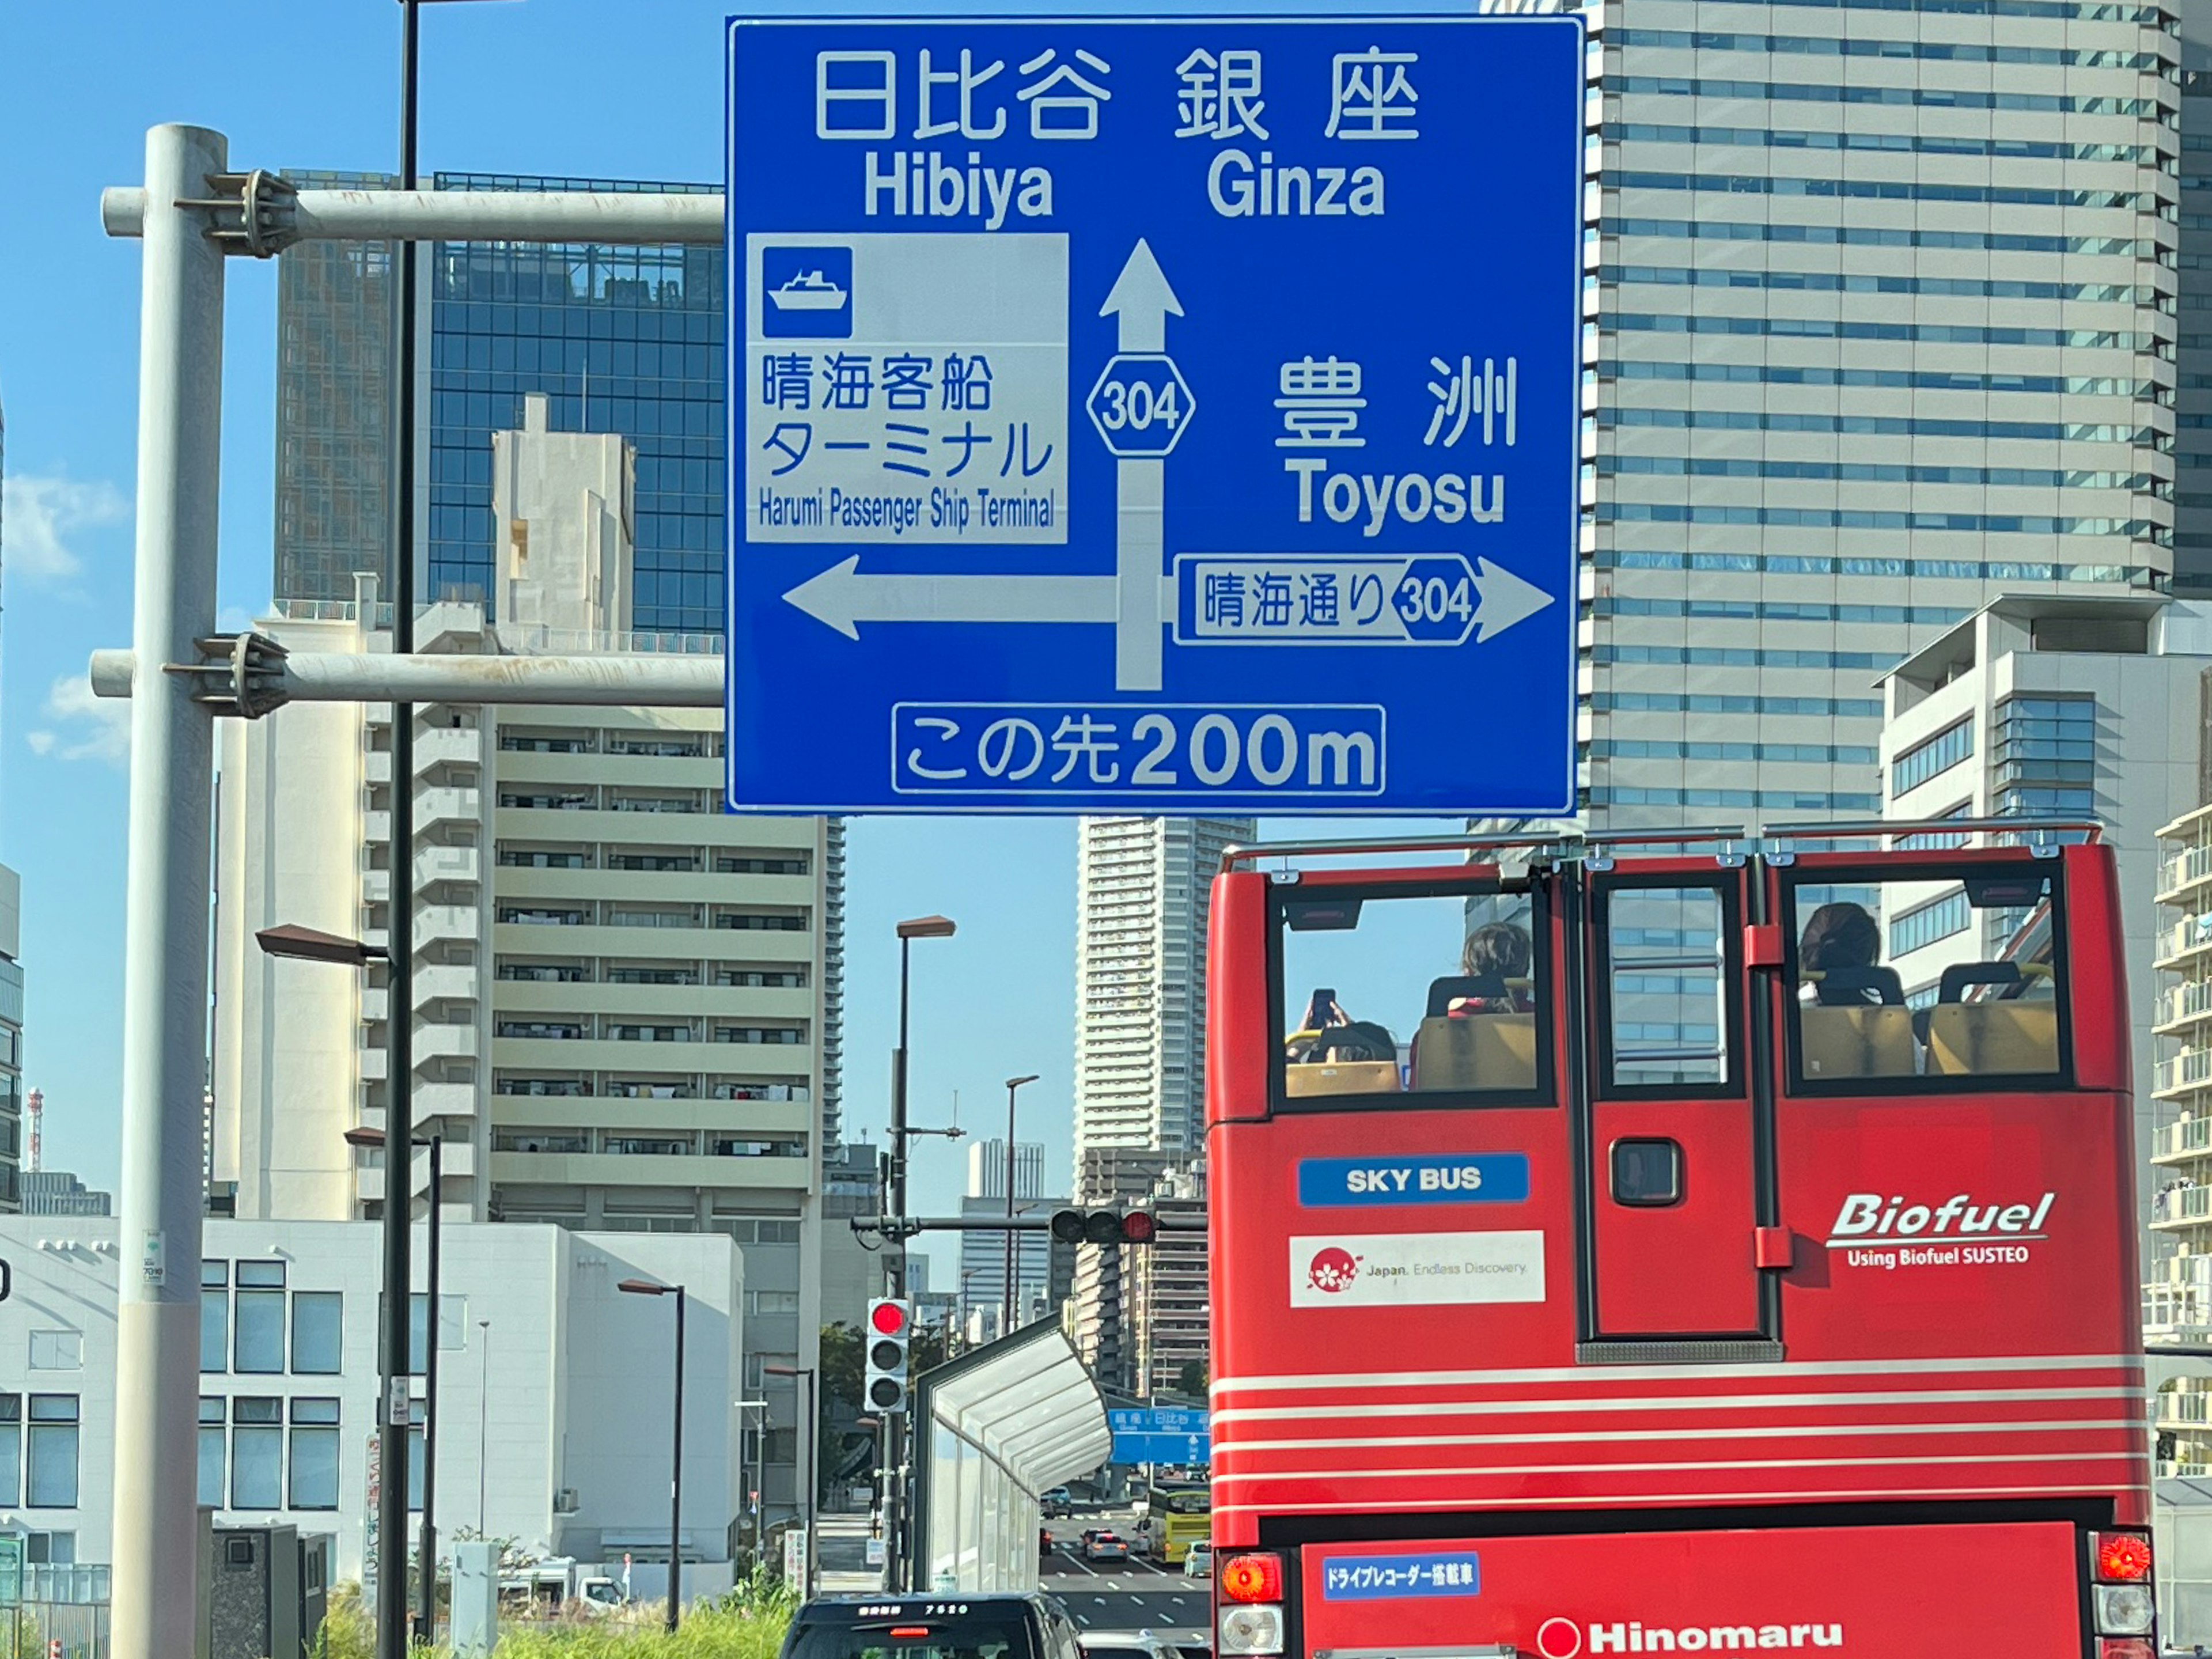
x=1482 y=1051
x=1851 y=987
x=1866 y=1041
x=1960 y=974
x=1992 y=1038
x=1341 y=1076
x=1442 y=993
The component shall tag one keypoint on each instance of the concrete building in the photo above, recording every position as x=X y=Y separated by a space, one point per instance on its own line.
x=623 y=340
x=56 y=1191
x=626 y=1001
x=1171 y=1293
x=983 y=1254
x=1097 y=1312
x=1883 y=322
x=11 y=1036
x=555 y=1389
x=2080 y=706
x=1141 y=888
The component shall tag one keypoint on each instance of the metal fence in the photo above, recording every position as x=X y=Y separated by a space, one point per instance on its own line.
x=43 y=1629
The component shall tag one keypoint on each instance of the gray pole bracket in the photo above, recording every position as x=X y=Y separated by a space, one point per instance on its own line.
x=249 y=213
x=240 y=675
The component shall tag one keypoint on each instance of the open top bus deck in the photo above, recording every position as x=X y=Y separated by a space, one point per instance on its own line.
x=1623 y=1253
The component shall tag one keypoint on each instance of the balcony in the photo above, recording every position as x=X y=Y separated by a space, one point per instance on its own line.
x=443 y=1100
x=444 y=982
x=2181 y=1206
x=436 y=864
x=2191 y=937
x=446 y=806
x=444 y=1042
x=2180 y=1005
x=2191 y=1138
x=454 y=923
x=2190 y=1069
x=437 y=746
x=2186 y=868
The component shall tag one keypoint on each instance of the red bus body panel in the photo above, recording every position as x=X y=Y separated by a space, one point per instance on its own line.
x=1912 y=1371
x=1900 y=1592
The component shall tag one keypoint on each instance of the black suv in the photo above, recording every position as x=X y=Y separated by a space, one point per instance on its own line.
x=948 y=1626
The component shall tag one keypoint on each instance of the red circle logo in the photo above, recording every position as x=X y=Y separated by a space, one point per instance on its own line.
x=1558 y=1639
x=1333 y=1269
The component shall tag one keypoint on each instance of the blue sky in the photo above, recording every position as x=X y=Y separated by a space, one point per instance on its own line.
x=625 y=88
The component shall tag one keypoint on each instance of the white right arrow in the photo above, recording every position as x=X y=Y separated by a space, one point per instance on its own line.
x=1504 y=599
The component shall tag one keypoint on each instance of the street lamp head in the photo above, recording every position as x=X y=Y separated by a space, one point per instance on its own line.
x=364 y=1136
x=643 y=1287
x=927 y=927
x=1016 y=1082
x=313 y=944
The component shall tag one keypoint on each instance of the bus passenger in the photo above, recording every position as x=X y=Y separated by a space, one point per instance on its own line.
x=1498 y=954
x=1842 y=941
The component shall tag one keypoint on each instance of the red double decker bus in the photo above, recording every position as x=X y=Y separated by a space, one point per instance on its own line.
x=1723 y=1251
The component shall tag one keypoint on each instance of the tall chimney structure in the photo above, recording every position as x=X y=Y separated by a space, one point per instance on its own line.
x=34 y=1157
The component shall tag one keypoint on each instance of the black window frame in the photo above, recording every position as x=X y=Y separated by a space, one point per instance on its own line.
x=1953 y=871
x=1728 y=882
x=1675 y=1197
x=1542 y=977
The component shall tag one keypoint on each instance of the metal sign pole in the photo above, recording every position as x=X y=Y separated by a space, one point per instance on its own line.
x=165 y=972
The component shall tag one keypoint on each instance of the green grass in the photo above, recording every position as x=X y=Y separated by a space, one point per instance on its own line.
x=747 y=1624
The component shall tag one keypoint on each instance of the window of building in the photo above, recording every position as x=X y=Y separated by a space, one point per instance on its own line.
x=258 y=1315
x=11 y=1450
x=1933 y=758
x=213 y=1468
x=215 y=1316
x=649 y=1033
x=760 y=866
x=57 y=1351
x=51 y=1446
x=2045 y=758
x=257 y=1453
x=1923 y=924
x=317 y=1333
x=771 y=1302
x=314 y=1454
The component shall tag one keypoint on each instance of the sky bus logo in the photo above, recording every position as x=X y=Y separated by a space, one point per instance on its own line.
x=1563 y=1638
x=1333 y=1269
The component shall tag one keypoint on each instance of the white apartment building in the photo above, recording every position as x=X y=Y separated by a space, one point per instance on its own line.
x=983 y=1254
x=1142 y=887
x=626 y=1001
x=555 y=1389
x=2078 y=707
x=1170 y=1292
x=1884 y=327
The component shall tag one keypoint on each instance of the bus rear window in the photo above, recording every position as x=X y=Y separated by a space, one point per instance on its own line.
x=1411 y=992
x=1945 y=973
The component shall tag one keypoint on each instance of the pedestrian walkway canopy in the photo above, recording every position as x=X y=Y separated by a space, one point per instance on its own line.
x=994 y=1430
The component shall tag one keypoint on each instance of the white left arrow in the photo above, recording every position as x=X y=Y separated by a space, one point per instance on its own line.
x=1505 y=600
x=844 y=598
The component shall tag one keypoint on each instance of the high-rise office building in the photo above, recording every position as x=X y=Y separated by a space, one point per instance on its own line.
x=983 y=1254
x=624 y=1000
x=56 y=1191
x=1142 y=886
x=621 y=340
x=1883 y=323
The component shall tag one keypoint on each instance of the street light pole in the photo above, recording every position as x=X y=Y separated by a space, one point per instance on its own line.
x=427 y=1615
x=399 y=915
x=810 y=1472
x=894 y=1447
x=483 y=1418
x=1007 y=1320
x=647 y=1287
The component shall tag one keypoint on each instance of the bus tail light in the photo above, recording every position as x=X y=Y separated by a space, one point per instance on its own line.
x=1251 y=1628
x=2123 y=1609
x=1251 y=1578
x=2125 y=1647
x=2120 y=1558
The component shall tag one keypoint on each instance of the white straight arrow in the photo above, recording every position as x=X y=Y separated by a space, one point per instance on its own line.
x=844 y=598
x=1142 y=302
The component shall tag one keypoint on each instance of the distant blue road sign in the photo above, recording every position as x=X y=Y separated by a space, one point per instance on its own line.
x=1073 y=361
x=1160 y=1435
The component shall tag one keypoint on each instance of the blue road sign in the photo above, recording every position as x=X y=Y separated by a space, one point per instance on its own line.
x=1161 y=1434
x=1154 y=415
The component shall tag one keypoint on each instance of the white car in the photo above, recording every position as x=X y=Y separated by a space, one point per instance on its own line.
x=1198 y=1561
x=1125 y=1644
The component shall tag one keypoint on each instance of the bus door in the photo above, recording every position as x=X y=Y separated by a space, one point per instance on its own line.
x=1674 y=1156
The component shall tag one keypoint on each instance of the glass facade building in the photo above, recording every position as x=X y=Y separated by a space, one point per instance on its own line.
x=623 y=340
x=1883 y=303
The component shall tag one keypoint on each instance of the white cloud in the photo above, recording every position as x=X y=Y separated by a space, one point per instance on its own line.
x=91 y=728
x=40 y=518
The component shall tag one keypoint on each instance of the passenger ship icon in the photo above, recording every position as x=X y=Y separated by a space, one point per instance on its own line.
x=810 y=290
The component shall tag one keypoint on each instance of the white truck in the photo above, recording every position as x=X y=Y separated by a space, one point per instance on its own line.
x=545 y=1588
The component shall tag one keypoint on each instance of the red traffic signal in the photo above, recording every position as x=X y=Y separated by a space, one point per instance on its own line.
x=1104 y=1226
x=888 y=1318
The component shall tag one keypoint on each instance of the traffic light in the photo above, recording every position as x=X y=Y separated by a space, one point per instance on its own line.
x=1104 y=1226
x=890 y=1328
